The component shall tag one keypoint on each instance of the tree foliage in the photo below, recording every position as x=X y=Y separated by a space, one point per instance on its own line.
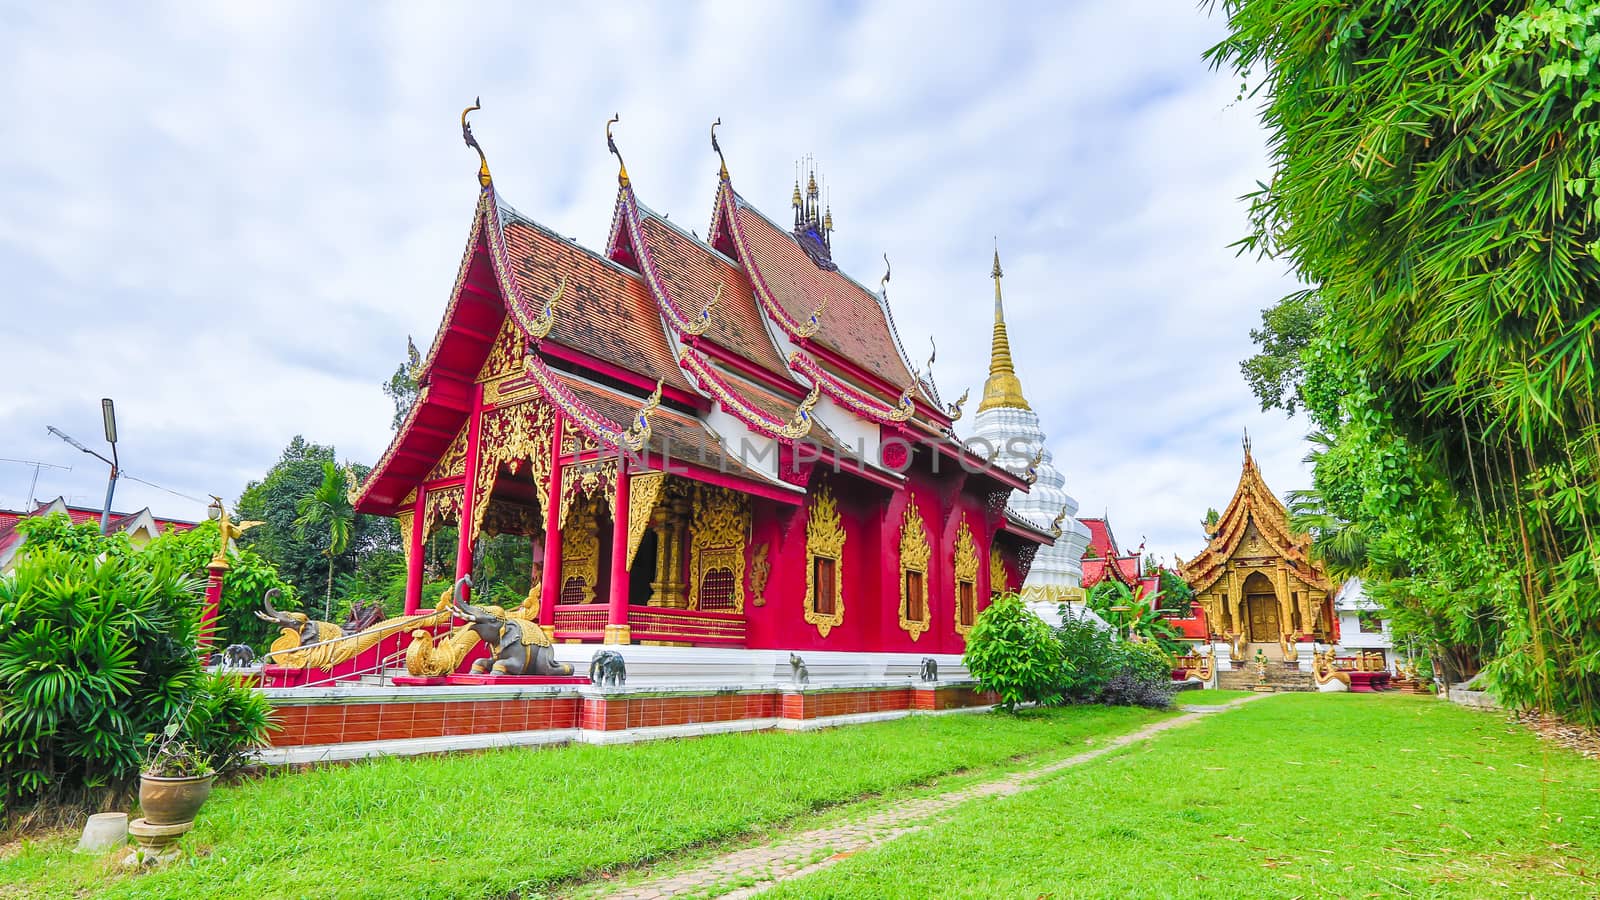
x=1435 y=182
x=275 y=501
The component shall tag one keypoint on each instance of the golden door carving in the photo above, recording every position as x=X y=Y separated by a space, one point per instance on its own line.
x=1263 y=611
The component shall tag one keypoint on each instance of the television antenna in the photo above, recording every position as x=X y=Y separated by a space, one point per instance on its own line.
x=34 y=484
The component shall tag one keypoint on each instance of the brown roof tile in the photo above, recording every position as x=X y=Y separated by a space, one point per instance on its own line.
x=691 y=273
x=853 y=324
x=605 y=312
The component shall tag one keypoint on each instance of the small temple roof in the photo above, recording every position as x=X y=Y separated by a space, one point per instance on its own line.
x=1002 y=389
x=1253 y=503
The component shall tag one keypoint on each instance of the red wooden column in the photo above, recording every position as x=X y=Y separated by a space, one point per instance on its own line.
x=469 y=489
x=550 y=591
x=617 y=615
x=419 y=528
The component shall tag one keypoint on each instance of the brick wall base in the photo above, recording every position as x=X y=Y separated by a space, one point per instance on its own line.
x=388 y=714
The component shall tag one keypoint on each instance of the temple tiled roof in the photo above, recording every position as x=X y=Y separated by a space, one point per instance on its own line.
x=692 y=272
x=854 y=324
x=606 y=311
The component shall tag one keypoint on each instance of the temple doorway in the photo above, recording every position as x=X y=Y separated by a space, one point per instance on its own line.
x=1263 y=612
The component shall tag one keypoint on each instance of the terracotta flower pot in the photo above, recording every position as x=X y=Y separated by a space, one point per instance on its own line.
x=172 y=801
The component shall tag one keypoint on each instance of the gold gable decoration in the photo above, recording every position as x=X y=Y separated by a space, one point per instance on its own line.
x=453 y=464
x=966 y=567
x=718 y=533
x=512 y=434
x=505 y=355
x=915 y=554
x=824 y=539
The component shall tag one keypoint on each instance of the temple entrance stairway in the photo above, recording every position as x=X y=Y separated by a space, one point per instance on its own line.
x=1243 y=678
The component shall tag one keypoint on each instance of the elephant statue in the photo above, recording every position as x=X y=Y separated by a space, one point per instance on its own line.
x=930 y=669
x=238 y=656
x=798 y=673
x=519 y=645
x=305 y=630
x=607 y=669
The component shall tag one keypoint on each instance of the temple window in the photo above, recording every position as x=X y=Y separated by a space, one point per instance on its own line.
x=824 y=602
x=915 y=554
x=719 y=533
x=966 y=603
x=1369 y=623
x=825 y=591
x=912 y=591
x=716 y=590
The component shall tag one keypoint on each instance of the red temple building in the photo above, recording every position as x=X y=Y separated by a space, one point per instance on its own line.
x=716 y=442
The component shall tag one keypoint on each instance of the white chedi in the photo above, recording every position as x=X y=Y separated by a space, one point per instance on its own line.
x=1007 y=429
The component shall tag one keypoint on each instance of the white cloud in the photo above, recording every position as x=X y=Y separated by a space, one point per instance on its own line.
x=229 y=217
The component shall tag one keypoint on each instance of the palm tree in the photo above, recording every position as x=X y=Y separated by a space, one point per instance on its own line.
x=327 y=510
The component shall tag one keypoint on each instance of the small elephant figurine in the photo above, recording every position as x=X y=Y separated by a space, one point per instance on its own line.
x=930 y=669
x=238 y=656
x=608 y=669
x=798 y=673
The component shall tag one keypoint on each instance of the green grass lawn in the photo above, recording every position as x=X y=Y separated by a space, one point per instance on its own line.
x=1292 y=795
x=1208 y=697
x=488 y=824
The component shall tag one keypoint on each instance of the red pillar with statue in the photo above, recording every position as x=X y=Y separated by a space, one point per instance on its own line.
x=469 y=490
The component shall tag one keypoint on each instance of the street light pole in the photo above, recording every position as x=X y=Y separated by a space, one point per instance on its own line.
x=109 y=413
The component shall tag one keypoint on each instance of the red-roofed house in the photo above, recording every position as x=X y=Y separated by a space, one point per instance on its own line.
x=142 y=527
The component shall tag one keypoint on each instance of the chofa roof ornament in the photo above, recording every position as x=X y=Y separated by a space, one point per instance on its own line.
x=611 y=144
x=466 y=135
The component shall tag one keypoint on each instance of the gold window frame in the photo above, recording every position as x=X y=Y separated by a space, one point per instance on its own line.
x=824 y=538
x=966 y=569
x=915 y=554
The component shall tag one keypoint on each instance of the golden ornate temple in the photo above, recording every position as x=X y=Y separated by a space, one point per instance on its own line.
x=1256 y=581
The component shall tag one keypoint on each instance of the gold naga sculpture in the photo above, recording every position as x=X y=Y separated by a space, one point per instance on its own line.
x=308 y=643
x=1286 y=643
x=1326 y=674
x=1205 y=664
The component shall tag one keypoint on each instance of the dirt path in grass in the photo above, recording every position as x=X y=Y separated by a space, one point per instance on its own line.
x=747 y=872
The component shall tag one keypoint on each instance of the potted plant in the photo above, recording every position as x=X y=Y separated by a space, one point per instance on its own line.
x=176 y=778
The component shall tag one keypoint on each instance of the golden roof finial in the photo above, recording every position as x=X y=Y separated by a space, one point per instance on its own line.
x=611 y=144
x=1247 y=445
x=466 y=135
x=718 y=148
x=1002 y=389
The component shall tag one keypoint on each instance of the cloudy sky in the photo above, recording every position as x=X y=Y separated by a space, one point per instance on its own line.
x=229 y=217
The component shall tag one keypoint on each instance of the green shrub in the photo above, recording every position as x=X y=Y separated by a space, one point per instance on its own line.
x=1088 y=656
x=227 y=720
x=95 y=652
x=1013 y=652
x=1142 y=677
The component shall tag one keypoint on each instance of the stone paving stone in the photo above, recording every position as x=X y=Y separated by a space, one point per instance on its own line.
x=786 y=859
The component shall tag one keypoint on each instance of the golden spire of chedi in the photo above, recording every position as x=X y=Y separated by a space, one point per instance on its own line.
x=1002 y=389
